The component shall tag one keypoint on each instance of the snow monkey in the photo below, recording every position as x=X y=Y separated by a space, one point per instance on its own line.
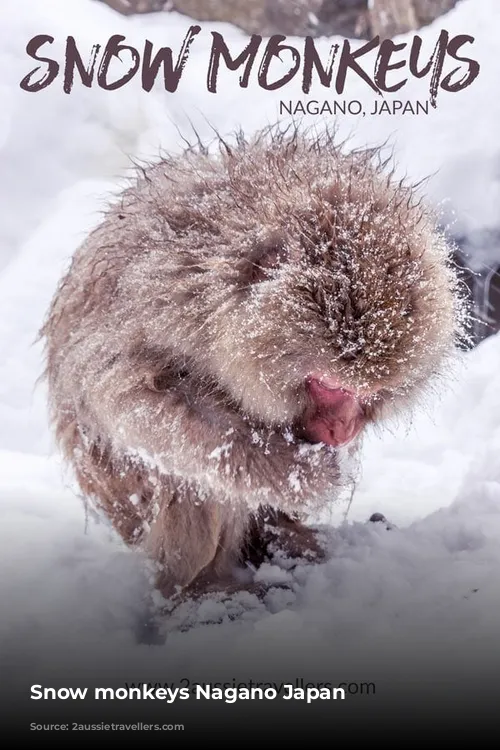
x=225 y=335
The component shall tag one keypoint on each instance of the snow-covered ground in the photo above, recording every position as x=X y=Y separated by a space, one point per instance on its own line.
x=431 y=582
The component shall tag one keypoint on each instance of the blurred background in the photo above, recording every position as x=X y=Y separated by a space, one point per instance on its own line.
x=350 y=18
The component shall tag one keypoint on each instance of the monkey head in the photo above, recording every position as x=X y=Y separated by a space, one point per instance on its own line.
x=325 y=293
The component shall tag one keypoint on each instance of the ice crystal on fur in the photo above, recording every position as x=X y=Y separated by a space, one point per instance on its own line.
x=181 y=338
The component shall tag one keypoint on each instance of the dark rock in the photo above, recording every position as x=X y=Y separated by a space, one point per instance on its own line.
x=348 y=18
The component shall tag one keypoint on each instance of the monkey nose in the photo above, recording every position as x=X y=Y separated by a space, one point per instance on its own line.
x=335 y=415
x=326 y=391
x=326 y=382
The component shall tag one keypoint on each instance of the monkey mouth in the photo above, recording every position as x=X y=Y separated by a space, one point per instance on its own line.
x=334 y=415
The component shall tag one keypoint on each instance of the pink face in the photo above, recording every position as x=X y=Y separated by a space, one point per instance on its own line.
x=335 y=415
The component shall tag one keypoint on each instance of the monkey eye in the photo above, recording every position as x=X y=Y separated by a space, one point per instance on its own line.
x=264 y=267
x=167 y=378
x=263 y=260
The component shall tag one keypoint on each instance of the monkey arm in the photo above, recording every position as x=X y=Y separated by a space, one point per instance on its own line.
x=215 y=447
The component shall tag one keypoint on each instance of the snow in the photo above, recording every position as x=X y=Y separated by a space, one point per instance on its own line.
x=68 y=585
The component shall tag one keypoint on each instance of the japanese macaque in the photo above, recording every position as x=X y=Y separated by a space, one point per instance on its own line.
x=223 y=338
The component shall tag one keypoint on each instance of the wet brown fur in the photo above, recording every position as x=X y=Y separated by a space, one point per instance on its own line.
x=179 y=340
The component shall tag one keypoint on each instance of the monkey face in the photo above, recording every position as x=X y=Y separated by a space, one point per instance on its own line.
x=344 y=314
